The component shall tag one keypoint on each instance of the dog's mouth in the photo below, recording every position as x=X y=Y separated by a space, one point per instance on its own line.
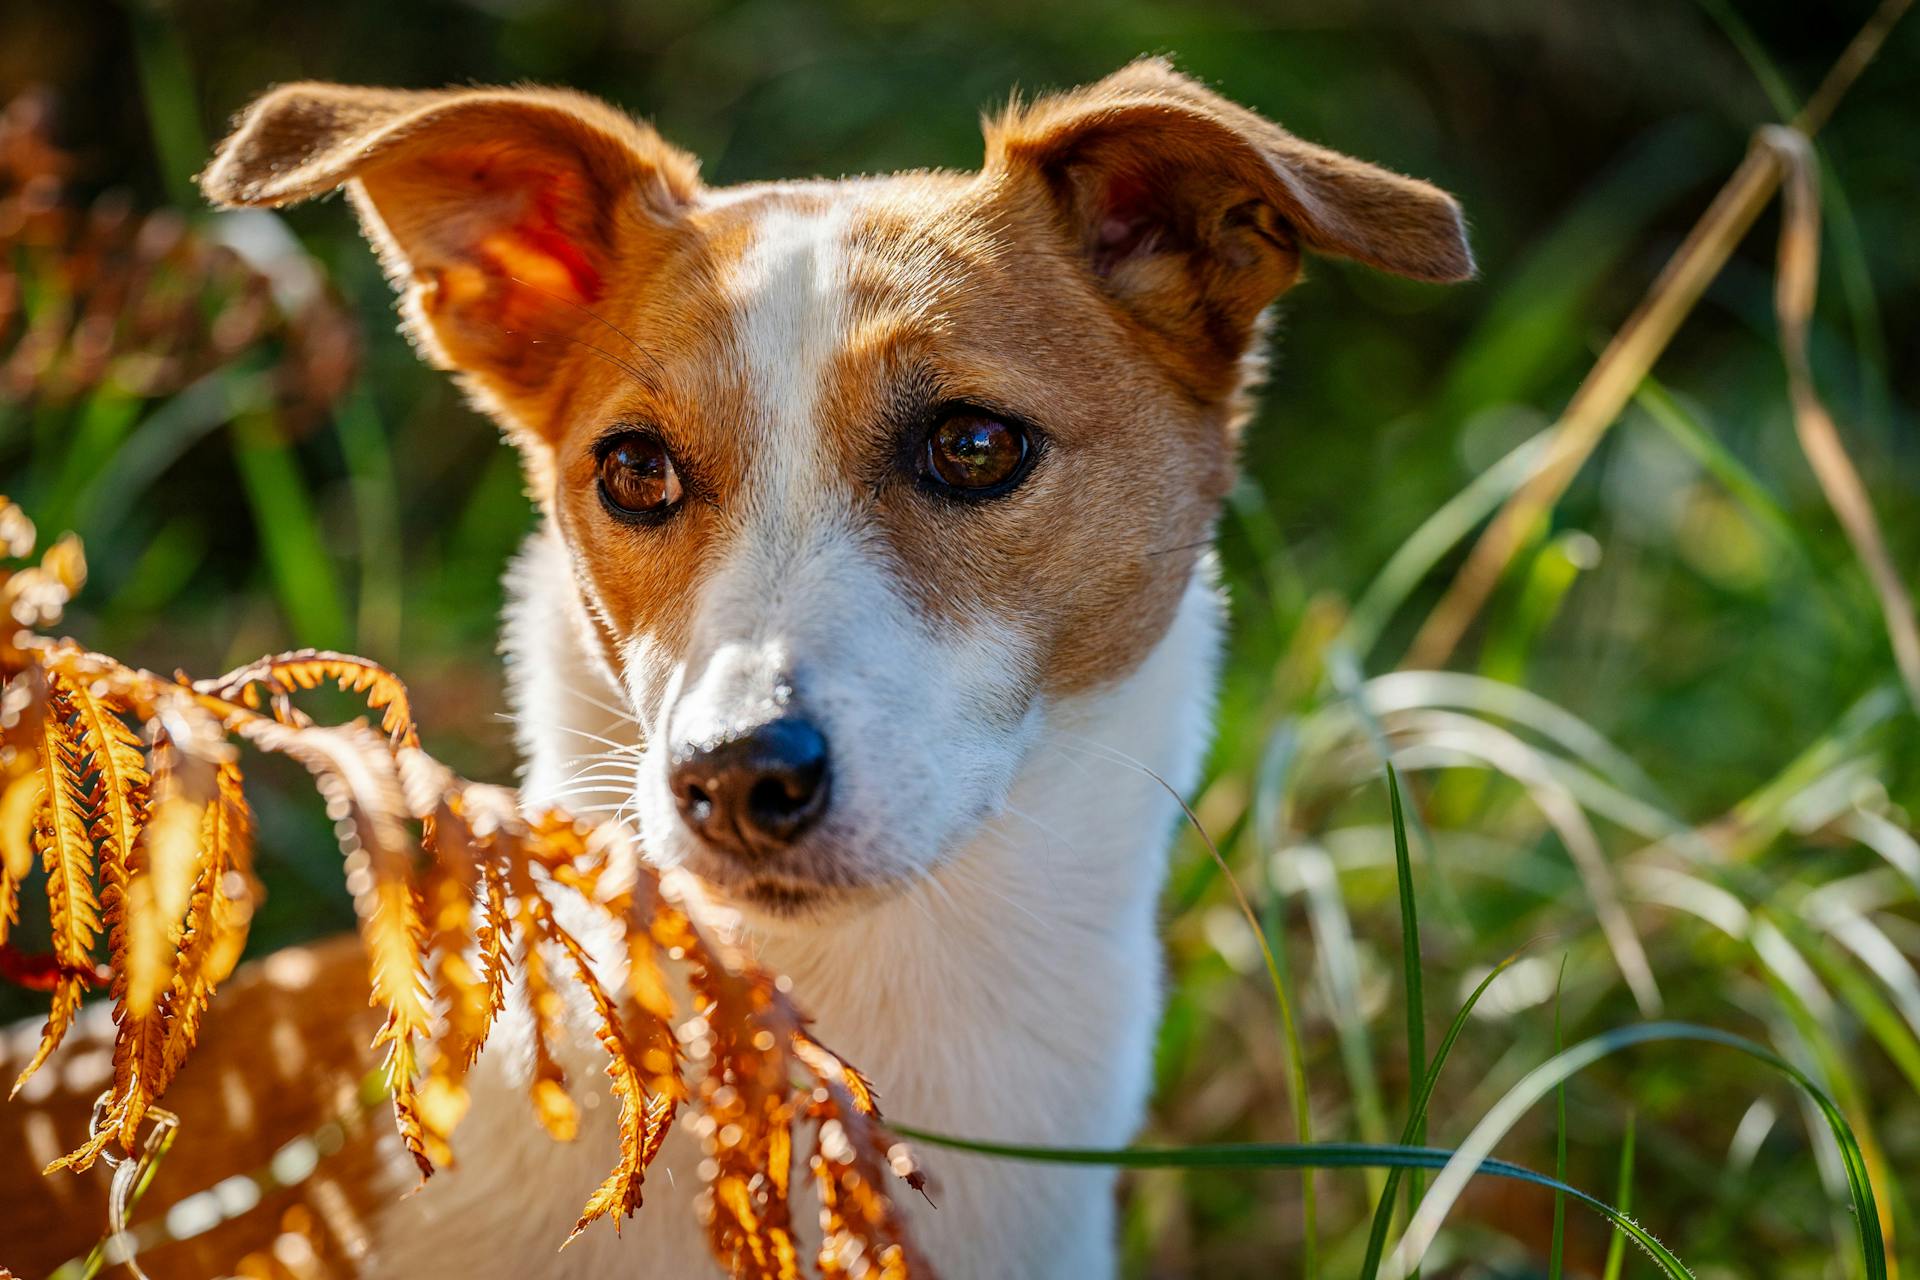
x=784 y=898
x=793 y=895
x=827 y=875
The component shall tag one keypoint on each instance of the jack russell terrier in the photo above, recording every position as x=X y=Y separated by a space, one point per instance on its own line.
x=871 y=587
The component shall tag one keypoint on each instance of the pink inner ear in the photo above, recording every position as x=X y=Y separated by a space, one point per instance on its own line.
x=533 y=245
x=542 y=232
x=1125 y=226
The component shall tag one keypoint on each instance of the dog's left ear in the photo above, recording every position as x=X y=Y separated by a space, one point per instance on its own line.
x=502 y=215
x=1191 y=210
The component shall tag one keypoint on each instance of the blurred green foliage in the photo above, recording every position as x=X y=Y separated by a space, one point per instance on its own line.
x=1694 y=602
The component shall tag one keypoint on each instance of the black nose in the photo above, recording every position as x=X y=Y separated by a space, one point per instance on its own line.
x=755 y=791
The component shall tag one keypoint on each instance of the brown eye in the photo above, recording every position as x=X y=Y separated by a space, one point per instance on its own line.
x=975 y=455
x=638 y=479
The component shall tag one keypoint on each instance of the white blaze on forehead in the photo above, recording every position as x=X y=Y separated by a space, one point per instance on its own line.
x=794 y=545
x=789 y=294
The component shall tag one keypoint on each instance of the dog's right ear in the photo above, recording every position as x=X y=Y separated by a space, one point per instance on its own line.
x=502 y=215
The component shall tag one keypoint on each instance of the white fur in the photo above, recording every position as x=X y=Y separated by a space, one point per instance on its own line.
x=1005 y=983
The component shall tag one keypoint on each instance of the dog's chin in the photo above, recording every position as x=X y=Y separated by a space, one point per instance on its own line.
x=790 y=896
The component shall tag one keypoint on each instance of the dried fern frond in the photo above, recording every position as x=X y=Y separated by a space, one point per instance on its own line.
x=65 y=849
x=283 y=674
x=643 y=1115
x=21 y=706
x=365 y=802
x=125 y=787
x=217 y=915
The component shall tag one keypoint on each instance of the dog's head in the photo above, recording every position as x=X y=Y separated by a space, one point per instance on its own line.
x=858 y=478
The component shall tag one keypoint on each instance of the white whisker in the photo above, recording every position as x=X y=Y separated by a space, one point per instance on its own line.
x=613 y=744
x=1037 y=825
x=624 y=713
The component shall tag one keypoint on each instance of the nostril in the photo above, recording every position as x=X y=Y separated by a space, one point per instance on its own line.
x=755 y=790
x=776 y=796
x=784 y=795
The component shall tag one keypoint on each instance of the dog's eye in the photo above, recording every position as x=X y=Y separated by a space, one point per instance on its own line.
x=976 y=455
x=638 y=478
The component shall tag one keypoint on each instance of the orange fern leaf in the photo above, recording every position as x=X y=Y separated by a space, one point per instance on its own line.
x=23 y=702
x=119 y=769
x=66 y=852
x=309 y=669
x=168 y=839
x=355 y=773
x=460 y=887
x=553 y=1106
x=118 y=812
x=217 y=915
x=159 y=895
x=643 y=1117
x=495 y=929
x=18 y=805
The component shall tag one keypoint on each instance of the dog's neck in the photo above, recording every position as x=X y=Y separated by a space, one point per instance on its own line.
x=1014 y=993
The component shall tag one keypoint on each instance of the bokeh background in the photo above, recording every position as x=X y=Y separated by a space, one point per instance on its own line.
x=221 y=407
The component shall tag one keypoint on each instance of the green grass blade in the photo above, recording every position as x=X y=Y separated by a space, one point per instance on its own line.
x=1299 y=1155
x=168 y=91
x=1880 y=1019
x=1512 y=704
x=1557 y=1257
x=1685 y=430
x=376 y=507
x=162 y=438
x=1296 y=1084
x=1623 y=1200
x=1416 y=994
x=1417 y=1118
x=294 y=546
x=1343 y=670
x=100 y=427
x=1536 y=1083
x=1331 y=927
x=1764 y=814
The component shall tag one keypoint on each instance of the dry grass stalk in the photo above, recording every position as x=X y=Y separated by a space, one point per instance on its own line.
x=1795 y=281
x=144 y=840
x=1601 y=397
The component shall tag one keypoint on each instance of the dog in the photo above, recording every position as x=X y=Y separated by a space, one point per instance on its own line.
x=872 y=587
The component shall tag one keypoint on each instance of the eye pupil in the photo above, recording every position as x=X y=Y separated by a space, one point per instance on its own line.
x=972 y=452
x=637 y=476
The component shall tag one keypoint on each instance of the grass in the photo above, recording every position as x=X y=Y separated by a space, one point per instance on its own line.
x=1473 y=1157
x=1671 y=744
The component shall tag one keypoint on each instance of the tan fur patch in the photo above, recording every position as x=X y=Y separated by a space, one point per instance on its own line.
x=967 y=297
